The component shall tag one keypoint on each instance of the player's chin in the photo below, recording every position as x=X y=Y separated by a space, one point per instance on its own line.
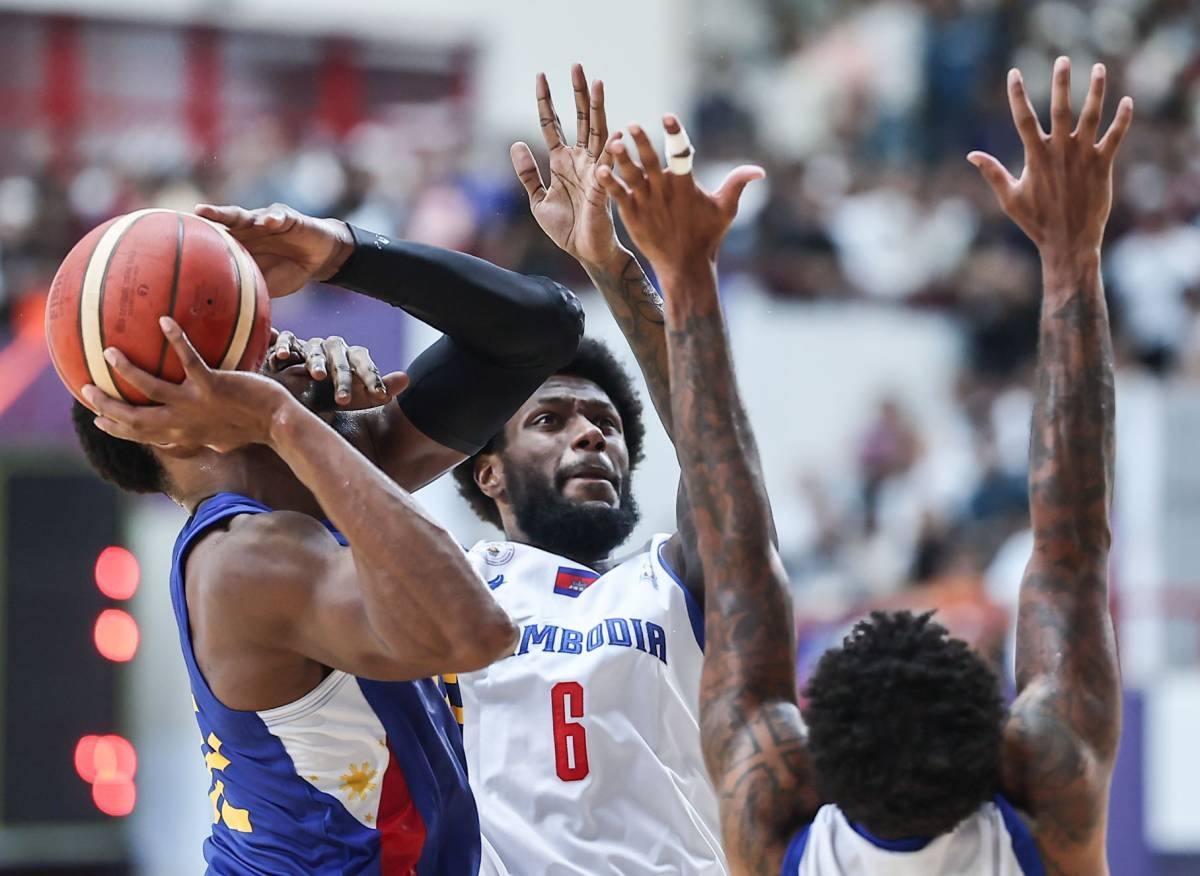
x=584 y=491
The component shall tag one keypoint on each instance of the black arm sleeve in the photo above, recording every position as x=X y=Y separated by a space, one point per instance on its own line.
x=505 y=333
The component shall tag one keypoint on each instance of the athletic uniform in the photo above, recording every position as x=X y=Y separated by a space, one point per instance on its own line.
x=355 y=777
x=992 y=842
x=583 y=748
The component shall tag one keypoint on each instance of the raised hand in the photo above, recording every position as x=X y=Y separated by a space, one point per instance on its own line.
x=574 y=210
x=358 y=383
x=290 y=248
x=1063 y=196
x=220 y=410
x=674 y=221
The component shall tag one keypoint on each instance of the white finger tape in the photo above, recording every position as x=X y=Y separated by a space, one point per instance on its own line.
x=680 y=153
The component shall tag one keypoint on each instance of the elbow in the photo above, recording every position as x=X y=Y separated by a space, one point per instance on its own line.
x=492 y=639
x=555 y=324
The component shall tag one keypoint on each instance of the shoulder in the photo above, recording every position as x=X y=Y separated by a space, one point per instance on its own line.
x=258 y=559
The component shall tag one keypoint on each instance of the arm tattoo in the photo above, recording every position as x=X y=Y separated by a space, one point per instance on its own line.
x=638 y=309
x=750 y=724
x=1062 y=737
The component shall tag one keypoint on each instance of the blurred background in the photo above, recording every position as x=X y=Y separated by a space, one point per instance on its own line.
x=883 y=314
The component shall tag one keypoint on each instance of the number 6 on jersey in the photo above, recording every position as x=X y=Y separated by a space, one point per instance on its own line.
x=570 y=737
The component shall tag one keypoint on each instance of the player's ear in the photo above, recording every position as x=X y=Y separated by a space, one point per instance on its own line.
x=489 y=475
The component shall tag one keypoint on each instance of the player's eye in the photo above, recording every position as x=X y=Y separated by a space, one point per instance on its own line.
x=608 y=424
x=546 y=419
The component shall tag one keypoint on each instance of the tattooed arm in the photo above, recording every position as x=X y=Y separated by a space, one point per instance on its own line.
x=574 y=212
x=1061 y=740
x=750 y=723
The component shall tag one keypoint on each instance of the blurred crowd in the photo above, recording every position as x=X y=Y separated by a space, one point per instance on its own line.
x=863 y=112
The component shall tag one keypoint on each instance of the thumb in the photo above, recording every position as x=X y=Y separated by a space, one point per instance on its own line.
x=994 y=174
x=395 y=383
x=730 y=192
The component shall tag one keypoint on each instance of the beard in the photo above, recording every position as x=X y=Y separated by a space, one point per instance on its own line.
x=589 y=530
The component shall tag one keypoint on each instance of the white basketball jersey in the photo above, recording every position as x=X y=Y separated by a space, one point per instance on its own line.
x=992 y=842
x=583 y=747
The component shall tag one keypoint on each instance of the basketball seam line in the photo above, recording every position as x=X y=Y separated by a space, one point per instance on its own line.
x=100 y=299
x=162 y=356
x=237 y=266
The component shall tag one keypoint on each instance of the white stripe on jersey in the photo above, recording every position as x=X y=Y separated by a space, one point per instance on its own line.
x=992 y=842
x=583 y=748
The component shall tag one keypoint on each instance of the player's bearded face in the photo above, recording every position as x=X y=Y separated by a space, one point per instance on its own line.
x=565 y=526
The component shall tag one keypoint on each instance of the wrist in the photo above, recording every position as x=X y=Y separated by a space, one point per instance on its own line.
x=343 y=248
x=281 y=418
x=612 y=265
x=1066 y=264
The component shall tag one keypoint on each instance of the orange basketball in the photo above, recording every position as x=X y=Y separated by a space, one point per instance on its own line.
x=115 y=284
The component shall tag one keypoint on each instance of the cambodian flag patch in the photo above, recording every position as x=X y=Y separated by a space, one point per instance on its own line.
x=572 y=582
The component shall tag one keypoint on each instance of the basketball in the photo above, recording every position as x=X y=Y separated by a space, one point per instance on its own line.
x=119 y=279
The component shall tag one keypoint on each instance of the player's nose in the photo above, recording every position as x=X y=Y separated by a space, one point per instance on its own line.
x=588 y=436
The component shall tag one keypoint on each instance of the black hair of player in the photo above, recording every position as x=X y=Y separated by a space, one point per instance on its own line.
x=131 y=466
x=904 y=727
x=593 y=361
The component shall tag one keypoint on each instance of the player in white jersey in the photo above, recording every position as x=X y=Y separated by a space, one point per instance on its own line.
x=908 y=741
x=583 y=748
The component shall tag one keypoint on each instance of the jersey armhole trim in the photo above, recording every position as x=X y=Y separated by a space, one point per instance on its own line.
x=695 y=613
x=310 y=702
x=1023 y=844
x=795 y=852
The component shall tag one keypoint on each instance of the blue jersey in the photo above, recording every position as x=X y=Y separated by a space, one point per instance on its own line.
x=355 y=777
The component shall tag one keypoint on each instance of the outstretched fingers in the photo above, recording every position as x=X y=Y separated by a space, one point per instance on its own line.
x=647 y=155
x=583 y=117
x=1093 y=106
x=1111 y=142
x=632 y=175
x=1060 y=99
x=1024 y=117
x=552 y=131
x=995 y=174
x=729 y=194
x=527 y=172
x=614 y=187
x=599 y=131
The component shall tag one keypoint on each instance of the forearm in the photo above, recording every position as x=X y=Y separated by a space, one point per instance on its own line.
x=1065 y=628
x=509 y=318
x=638 y=310
x=409 y=567
x=748 y=623
x=750 y=726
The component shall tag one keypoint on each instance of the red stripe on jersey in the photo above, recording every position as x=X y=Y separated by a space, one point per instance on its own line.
x=401 y=828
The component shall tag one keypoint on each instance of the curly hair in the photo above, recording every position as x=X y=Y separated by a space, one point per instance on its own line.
x=904 y=726
x=593 y=361
x=131 y=466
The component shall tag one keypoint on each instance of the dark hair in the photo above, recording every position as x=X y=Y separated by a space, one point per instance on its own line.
x=593 y=361
x=131 y=466
x=904 y=727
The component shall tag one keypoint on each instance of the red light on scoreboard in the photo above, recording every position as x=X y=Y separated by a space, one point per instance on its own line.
x=117 y=573
x=85 y=758
x=114 y=796
x=116 y=635
x=108 y=764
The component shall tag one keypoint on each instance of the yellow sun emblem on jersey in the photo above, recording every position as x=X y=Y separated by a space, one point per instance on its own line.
x=358 y=782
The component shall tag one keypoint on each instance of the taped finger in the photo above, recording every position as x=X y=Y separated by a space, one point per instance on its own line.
x=680 y=154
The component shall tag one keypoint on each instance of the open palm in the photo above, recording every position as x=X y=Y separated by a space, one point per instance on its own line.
x=574 y=210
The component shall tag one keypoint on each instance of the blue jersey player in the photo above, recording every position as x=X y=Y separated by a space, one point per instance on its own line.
x=315 y=601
